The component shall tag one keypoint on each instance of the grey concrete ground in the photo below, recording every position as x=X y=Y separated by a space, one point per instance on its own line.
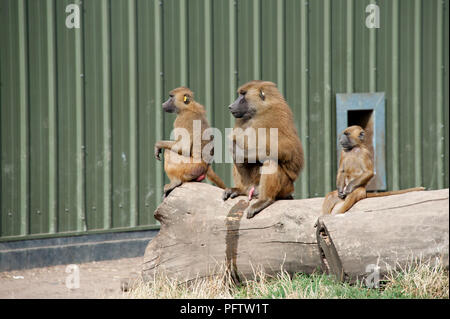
x=96 y=280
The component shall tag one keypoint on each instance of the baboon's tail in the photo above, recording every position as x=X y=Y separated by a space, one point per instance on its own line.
x=401 y=191
x=213 y=177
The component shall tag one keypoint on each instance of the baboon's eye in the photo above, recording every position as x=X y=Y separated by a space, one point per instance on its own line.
x=262 y=95
x=170 y=95
x=361 y=135
x=186 y=99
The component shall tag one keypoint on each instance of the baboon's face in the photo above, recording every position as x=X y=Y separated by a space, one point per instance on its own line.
x=351 y=137
x=178 y=100
x=250 y=100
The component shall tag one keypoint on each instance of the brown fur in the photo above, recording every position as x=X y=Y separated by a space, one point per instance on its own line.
x=188 y=110
x=267 y=109
x=355 y=171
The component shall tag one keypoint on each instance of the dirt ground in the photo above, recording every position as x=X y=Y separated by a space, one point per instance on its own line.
x=101 y=279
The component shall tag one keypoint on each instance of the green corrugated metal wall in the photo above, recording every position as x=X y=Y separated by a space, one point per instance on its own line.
x=81 y=108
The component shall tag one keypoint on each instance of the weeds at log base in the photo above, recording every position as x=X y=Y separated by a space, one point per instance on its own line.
x=419 y=281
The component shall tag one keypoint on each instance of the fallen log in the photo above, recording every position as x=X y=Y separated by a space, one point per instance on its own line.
x=200 y=235
x=378 y=234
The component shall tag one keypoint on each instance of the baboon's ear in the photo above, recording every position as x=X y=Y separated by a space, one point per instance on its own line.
x=186 y=99
x=362 y=135
x=262 y=95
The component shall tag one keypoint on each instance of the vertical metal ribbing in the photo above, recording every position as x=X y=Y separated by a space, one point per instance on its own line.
x=373 y=64
x=256 y=39
x=208 y=61
x=232 y=52
x=52 y=118
x=372 y=58
x=350 y=47
x=418 y=92
x=439 y=95
x=395 y=96
x=158 y=91
x=1 y=155
x=233 y=60
x=79 y=123
x=327 y=96
x=280 y=46
x=183 y=43
x=24 y=116
x=132 y=73
x=304 y=114
x=106 y=64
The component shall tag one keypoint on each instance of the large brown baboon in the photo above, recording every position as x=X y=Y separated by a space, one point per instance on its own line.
x=256 y=172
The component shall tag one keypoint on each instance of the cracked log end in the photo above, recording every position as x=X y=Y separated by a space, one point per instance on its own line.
x=386 y=232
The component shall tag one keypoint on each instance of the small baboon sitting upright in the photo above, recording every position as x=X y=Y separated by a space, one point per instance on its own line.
x=182 y=161
x=354 y=172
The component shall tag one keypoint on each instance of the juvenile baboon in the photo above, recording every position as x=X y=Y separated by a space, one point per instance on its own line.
x=355 y=171
x=182 y=161
x=261 y=106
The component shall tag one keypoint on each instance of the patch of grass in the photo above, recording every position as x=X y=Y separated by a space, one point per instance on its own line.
x=420 y=280
x=315 y=286
x=164 y=287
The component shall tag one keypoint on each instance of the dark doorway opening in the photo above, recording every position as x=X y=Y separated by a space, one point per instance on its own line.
x=362 y=118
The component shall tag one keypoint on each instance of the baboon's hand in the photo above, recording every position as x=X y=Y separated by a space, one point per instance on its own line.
x=157 y=152
x=250 y=212
x=341 y=193
x=226 y=194
x=230 y=193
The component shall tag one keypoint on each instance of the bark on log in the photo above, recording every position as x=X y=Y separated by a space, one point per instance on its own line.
x=388 y=232
x=200 y=235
